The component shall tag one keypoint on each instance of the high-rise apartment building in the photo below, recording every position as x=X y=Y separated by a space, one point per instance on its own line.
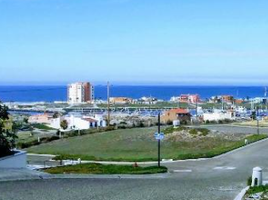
x=80 y=92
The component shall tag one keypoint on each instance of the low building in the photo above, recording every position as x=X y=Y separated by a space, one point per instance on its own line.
x=121 y=100
x=239 y=101
x=218 y=115
x=180 y=114
x=215 y=99
x=260 y=100
x=227 y=98
x=79 y=122
x=40 y=118
x=186 y=98
x=147 y=100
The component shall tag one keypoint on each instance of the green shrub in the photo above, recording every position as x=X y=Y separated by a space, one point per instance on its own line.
x=24 y=145
x=204 y=131
x=122 y=127
x=169 y=122
x=254 y=190
x=184 y=122
x=171 y=129
x=249 y=181
x=227 y=121
x=193 y=132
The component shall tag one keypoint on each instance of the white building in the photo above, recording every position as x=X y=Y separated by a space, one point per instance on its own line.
x=148 y=100
x=218 y=115
x=79 y=122
x=258 y=100
x=80 y=92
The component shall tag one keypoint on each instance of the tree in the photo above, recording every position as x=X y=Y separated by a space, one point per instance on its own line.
x=7 y=137
x=56 y=115
x=25 y=120
x=64 y=124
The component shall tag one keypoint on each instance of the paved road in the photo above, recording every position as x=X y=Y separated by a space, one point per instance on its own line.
x=220 y=178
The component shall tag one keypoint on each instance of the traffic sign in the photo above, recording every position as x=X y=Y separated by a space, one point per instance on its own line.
x=159 y=136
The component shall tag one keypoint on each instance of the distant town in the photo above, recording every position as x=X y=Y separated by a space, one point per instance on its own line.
x=82 y=111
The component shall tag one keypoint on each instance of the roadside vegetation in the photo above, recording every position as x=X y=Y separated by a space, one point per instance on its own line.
x=139 y=144
x=95 y=168
x=258 y=192
x=7 y=135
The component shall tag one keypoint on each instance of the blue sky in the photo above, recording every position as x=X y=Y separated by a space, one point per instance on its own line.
x=189 y=42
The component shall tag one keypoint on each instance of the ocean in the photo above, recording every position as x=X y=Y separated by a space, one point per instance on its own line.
x=59 y=93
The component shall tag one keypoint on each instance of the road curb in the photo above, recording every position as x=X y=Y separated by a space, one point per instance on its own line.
x=241 y=194
x=109 y=176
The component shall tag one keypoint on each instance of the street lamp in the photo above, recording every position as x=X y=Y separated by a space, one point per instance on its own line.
x=257 y=117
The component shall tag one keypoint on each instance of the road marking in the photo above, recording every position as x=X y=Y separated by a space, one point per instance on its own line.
x=231 y=168
x=182 y=171
x=224 y=168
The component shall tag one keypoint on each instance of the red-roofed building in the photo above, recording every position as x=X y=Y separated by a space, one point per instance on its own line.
x=180 y=114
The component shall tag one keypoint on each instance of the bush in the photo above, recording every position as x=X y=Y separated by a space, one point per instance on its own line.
x=249 y=181
x=171 y=129
x=254 y=190
x=227 y=121
x=25 y=145
x=169 y=122
x=109 y=128
x=203 y=131
x=122 y=127
x=52 y=138
x=184 y=122
x=193 y=132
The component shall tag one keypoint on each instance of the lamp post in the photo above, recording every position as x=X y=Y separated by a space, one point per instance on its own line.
x=159 y=140
x=108 y=104
x=257 y=117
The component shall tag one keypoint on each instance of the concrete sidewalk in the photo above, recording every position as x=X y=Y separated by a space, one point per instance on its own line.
x=21 y=174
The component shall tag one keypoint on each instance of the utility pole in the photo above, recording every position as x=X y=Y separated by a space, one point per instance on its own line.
x=257 y=117
x=222 y=105
x=196 y=108
x=108 y=104
x=159 y=131
x=265 y=95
